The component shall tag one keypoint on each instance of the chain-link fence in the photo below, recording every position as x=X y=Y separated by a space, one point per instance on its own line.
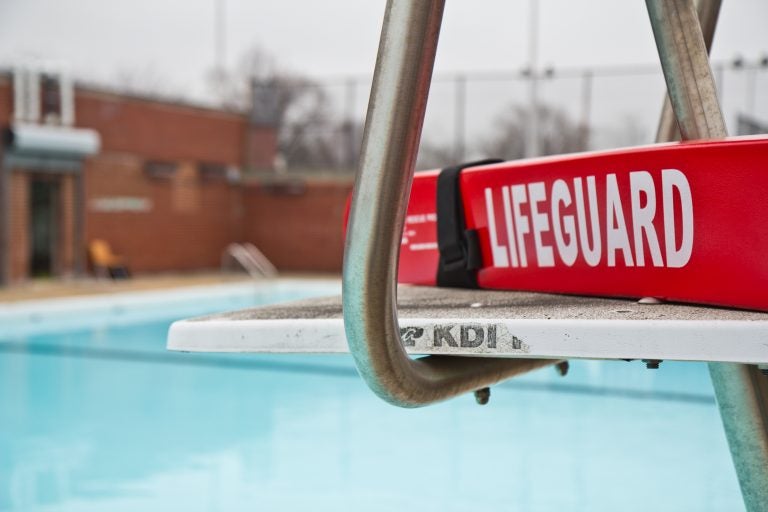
x=472 y=115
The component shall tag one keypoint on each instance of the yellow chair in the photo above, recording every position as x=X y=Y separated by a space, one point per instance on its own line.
x=105 y=262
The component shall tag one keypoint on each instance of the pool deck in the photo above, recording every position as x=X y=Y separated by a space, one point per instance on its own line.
x=59 y=288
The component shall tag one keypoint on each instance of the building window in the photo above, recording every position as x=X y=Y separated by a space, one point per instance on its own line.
x=218 y=173
x=50 y=99
x=160 y=170
x=211 y=172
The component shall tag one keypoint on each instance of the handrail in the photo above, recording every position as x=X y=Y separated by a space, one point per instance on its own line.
x=260 y=260
x=251 y=259
x=390 y=143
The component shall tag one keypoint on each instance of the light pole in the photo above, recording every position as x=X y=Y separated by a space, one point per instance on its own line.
x=586 y=109
x=532 y=134
x=220 y=35
x=459 y=120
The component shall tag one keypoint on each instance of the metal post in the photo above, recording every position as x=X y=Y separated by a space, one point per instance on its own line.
x=741 y=390
x=390 y=143
x=685 y=63
x=742 y=395
x=751 y=95
x=220 y=35
x=532 y=144
x=708 y=12
x=586 y=109
x=459 y=116
x=5 y=221
x=351 y=100
x=78 y=241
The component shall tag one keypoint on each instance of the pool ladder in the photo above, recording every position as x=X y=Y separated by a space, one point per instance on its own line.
x=250 y=258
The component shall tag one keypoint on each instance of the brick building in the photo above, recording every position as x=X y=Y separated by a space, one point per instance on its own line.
x=167 y=184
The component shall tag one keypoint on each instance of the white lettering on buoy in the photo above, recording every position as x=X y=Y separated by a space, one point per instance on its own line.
x=568 y=251
x=538 y=194
x=615 y=228
x=671 y=180
x=641 y=182
x=498 y=252
x=598 y=226
x=508 y=217
x=521 y=221
x=592 y=253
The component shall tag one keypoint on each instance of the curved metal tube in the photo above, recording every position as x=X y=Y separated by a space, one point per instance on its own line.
x=390 y=143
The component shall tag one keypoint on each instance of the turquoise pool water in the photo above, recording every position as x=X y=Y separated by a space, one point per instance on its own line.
x=102 y=417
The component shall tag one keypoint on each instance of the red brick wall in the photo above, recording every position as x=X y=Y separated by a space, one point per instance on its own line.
x=6 y=100
x=165 y=131
x=190 y=221
x=298 y=230
x=5 y=112
x=187 y=226
x=65 y=259
x=261 y=147
x=19 y=230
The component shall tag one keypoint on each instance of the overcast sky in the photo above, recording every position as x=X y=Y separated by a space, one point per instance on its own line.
x=174 y=40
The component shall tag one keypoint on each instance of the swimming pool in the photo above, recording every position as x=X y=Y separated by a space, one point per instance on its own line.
x=97 y=415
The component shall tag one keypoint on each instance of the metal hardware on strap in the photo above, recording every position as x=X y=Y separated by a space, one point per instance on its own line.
x=459 y=247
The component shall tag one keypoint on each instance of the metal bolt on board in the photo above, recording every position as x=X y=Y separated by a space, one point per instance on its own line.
x=482 y=396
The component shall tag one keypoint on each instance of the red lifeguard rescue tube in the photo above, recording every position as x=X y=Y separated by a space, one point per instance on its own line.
x=683 y=222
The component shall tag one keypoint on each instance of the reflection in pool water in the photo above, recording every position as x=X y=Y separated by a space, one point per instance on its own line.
x=107 y=419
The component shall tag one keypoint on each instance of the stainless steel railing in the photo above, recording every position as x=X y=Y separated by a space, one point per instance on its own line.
x=390 y=143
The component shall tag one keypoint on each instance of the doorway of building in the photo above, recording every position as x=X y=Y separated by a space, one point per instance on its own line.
x=43 y=225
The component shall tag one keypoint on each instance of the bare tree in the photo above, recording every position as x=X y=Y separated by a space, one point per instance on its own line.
x=232 y=87
x=631 y=132
x=433 y=155
x=557 y=133
x=298 y=107
x=144 y=82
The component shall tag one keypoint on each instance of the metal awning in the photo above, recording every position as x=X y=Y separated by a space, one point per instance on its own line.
x=33 y=140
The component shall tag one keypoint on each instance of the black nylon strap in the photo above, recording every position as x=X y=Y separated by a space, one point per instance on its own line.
x=459 y=247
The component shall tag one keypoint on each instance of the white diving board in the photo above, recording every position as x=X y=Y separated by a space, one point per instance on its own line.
x=495 y=324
